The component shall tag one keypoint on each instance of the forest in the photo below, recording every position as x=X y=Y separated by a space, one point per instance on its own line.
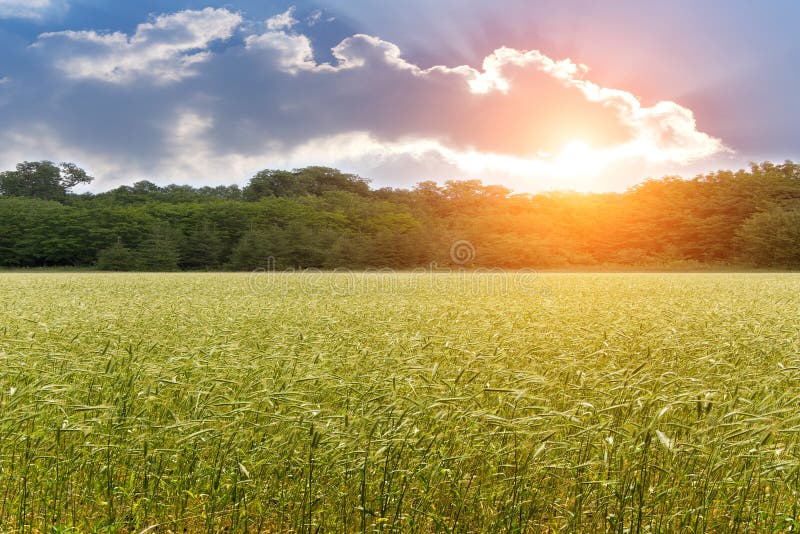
x=318 y=217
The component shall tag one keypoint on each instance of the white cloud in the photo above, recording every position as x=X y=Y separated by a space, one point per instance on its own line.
x=664 y=132
x=284 y=21
x=314 y=18
x=292 y=53
x=28 y=9
x=165 y=49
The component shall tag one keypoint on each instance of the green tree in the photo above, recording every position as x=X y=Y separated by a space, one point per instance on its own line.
x=158 y=253
x=201 y=249
x=42 y=179
x=771 y=238
x=320 y=180
x=276 y=183
x=36 y=233
x=260 y=248
x=301 y=182
x=117 y=257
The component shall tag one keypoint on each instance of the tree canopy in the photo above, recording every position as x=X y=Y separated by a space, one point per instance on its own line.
x=42 y=179
x=324 y=218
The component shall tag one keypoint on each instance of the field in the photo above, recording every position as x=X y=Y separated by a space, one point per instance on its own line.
x=407 y=402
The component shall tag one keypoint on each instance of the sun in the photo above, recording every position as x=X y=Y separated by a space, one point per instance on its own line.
x=577 y=164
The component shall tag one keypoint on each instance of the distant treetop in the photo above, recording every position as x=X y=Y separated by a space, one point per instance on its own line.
x=42 y=179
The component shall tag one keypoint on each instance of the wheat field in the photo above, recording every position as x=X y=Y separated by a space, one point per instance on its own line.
x=387 y=402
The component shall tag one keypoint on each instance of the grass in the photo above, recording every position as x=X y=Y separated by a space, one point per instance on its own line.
x=384 y=403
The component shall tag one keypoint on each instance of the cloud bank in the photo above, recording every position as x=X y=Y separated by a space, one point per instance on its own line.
x=165 y=50
x=27 y=9
x=207 y=97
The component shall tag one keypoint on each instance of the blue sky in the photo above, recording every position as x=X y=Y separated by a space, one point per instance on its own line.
x=533 y=95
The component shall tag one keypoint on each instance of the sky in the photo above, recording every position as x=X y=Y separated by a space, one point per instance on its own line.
x=533 y=95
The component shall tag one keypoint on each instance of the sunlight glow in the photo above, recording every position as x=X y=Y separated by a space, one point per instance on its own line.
x=576 y=158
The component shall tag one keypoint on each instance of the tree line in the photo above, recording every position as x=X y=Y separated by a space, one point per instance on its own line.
x=318 y=217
